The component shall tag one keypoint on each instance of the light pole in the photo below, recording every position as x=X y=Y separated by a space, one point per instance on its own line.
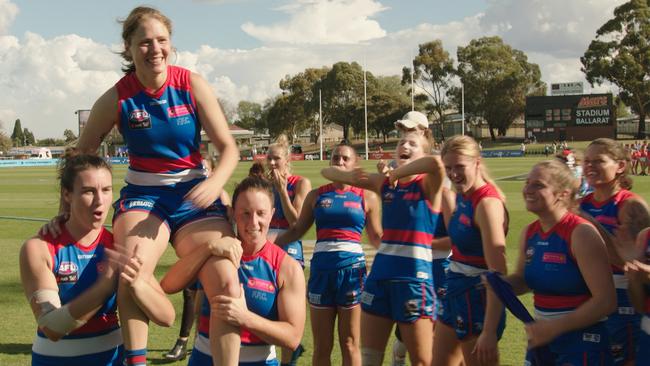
x=365 y=103
x=320 y=122
x=462 y=107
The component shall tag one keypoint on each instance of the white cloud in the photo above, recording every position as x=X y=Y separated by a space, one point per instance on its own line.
x=322 y=22
x=44 y=81
x=558 y=27
x=8 y=12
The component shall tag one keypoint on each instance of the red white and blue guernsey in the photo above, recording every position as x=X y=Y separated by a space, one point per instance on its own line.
x=409 y=224
x=467 y=257
x=552 y=273
x=623 y=324
x=76 y=269
x=161 y=130
x=258 y=274
x=340 y=218
x=279 y=223
x=643 y=349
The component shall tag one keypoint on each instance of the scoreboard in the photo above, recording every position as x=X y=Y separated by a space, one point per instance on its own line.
x=570 y=117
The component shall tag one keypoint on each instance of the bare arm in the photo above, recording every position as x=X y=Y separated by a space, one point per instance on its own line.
x=490 y=218
x=637 y=273
x=590 y=253
x=516 y=279
x=103 y=116
x=357 y=177
x=288 y=329
x=429 y=165
x=36 y=274
x=303 y=223
x=292 y=209
x=374 y=229
x=214 y=123
x=186 y=269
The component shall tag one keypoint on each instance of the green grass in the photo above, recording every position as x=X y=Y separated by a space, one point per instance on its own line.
x=32 y=192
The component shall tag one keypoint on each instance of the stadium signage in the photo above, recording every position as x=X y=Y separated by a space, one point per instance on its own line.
x=593 y=110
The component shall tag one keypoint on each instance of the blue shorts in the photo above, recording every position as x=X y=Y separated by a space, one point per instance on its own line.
x=400 y=300
x=464 y=310
x=294 y=249
x=198 y=358
x=167 y=203
x=340 y=287
x=112 y=357
x=588 y=346
x=624 y=328
x=643 y=346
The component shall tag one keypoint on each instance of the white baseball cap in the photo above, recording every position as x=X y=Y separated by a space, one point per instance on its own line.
x=413 y=120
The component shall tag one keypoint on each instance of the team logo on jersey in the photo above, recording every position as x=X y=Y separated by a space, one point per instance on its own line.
x=262 y=285
x=179 y=110
x=465 y=220
x=530 y=251
x=411 y=196
x=460 y=323
x=67 y=272
x=325 y=203
x=139 y=120
x=411 y=308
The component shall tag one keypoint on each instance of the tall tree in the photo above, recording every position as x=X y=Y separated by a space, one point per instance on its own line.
x=496 y=79
x=387 y=104
x=69 y=135
x=303 y=95
x=433 y=70
x=29 y=137
x=620 y=54
x=342 y=90
x=279 y=116
x=5 y=141
x=249 y=115
x=17 y=135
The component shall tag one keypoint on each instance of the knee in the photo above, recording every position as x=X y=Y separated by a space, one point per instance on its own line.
x=349 y=345
x=219 y=277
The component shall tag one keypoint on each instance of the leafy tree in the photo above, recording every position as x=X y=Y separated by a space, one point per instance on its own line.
x=621 y=109
x=69 y=135
x=342 y=90
x=303 y=95
x=279 y=116
x=29 y=137
x=620 y=54
x=228 y=109
x=5 y=141
x=249 y=115
x=387 y=104
x=433 y=71
x=496 y=79
x=17 y=135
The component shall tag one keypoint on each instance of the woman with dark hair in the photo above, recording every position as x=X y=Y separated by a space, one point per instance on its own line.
x=606 y=169
x=399 y=288
x=270 y=308
x=70 y=279
x=338 y=267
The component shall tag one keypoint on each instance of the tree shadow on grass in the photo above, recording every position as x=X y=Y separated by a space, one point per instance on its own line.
x=16 y=348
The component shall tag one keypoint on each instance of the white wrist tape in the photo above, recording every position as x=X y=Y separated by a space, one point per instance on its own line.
x=60 y=320
x=46 y=299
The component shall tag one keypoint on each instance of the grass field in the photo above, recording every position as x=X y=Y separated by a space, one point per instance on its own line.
x=32 y=193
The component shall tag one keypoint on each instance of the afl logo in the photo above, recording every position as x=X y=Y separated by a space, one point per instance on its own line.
x=326 y=203
x=139 y=119
x=67 y=272
x=67 y=268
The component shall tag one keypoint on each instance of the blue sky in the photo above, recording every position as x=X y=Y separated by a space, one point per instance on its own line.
x=57 y=57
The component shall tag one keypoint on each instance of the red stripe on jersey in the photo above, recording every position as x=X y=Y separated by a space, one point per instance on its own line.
x=162 y=165
x=98 y=324
x=338 y=234
x=559 y=302
x=407 y=236
x=472 y=260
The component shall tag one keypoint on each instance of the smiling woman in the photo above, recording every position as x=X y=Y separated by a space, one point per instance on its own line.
x=160 y=110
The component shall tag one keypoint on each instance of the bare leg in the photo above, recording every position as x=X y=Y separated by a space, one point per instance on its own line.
x=375 y=331
x=418 y=338
x=350 y=335
x=322 y=329
x=146 y=236
x=218 y=277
